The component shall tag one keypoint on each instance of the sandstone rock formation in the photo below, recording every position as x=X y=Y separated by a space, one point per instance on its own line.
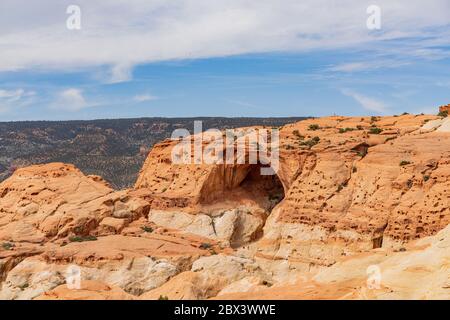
x=134 y=264
x=349 y=193
x=349 y=184
x=88 y=290
x=227 y=202
x=419 y=271
x=208 y=276
x=344 y=200
x=445 y=109
x=50 y=202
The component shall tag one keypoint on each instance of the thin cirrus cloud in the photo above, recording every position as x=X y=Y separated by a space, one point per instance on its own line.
x=368 y=103
x=14 y=95
x=144 y=97
x=368 y=65
x=122 y=34
x=15 y=98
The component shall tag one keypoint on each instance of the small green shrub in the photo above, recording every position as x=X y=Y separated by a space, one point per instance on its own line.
x=24 y=286
x=409 y=183
x=161 y=297
x=7 y=245
x=404 y=163
x=344 y=130
x=82 y=238
x=147 y=229
x=375 y=130
x=311 y=142
x=313 y=127
x=205 y=246
x=426 y=178
x=443 y=114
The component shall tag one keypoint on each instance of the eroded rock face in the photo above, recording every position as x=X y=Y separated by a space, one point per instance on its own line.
x=208 y=277
x=226 y=202
x=53 y=217
x=89 y=290
x=173 y=179
x=349 y=184
x=344 y=202
x=349 y=193
x=232 y=227
x=134 y=264
x=445 y=108
x=419 y=271
x=52 y=201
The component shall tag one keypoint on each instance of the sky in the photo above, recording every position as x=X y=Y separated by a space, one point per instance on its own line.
x=234 y=58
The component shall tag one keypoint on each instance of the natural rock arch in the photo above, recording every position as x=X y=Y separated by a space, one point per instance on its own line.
x=242 y=182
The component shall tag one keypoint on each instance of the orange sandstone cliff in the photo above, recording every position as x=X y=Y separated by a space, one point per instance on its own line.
x=351 y=193
x=445 y=109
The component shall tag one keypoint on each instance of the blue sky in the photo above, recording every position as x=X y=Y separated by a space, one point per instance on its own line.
x=163 y=62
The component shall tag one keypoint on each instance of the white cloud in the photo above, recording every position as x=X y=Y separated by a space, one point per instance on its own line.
x=366 y=102
x=15 y=95
x=352 y=67
x=121 y=34
x=70 y=100
x=368 y=65
x=120 y=73
x=17 y=98
x=144 y=97
x=11 y=95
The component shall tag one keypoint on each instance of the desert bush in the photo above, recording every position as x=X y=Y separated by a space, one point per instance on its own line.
x=82 y=238
x=7 y=245
x=375 y=130
x=205 y=246
x=147 y=229
x=313 y=127
x=311 y=142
